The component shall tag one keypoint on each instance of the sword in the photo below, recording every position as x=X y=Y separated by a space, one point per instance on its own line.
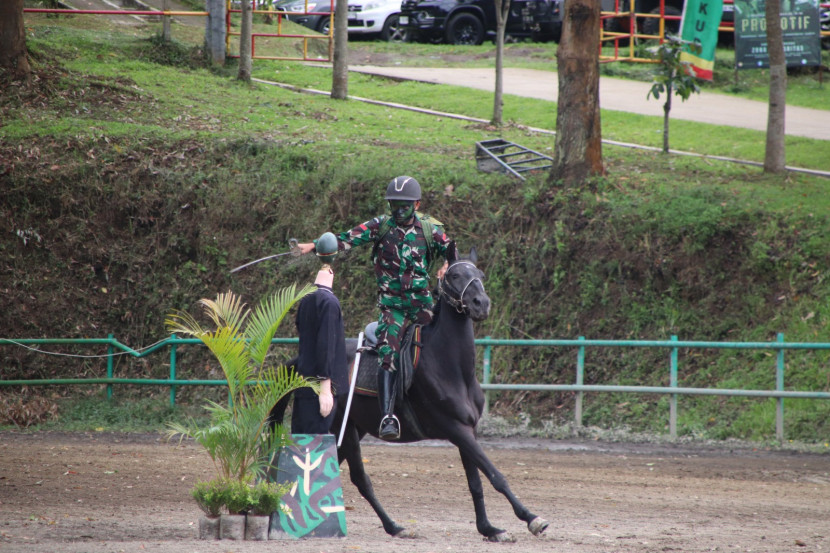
x=292 y=244
x=351 y=389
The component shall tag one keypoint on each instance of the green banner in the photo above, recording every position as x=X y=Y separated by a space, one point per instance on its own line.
x=799 y=23
x=699 y=33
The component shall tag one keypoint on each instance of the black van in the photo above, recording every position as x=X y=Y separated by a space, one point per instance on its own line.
x=471 y=21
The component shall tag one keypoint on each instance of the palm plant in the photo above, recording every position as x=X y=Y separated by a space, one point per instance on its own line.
x=237 y=438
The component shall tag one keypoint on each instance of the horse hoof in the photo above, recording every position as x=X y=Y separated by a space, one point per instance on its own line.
x=537 y=525
x=501 y=537
x=407 y=535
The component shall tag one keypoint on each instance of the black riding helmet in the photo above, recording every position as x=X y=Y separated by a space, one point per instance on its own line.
x=402 y=193
x=403 y=188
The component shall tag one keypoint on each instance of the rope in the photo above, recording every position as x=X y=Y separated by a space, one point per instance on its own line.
x=58 y=354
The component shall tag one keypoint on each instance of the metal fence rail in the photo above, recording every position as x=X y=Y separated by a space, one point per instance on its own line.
x=116 y=348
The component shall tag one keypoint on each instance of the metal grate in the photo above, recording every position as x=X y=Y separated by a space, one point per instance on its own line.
x=508 y=157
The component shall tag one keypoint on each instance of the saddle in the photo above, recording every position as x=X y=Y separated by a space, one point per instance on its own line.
x=367 y=375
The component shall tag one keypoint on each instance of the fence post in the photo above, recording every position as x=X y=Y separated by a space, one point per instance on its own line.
x=173 y=370
x=580 y=379
x=109 y=366
x=779 y=387
x=673 y=399
x=486 y=375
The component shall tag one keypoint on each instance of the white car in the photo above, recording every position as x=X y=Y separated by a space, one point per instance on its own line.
x=376 y=17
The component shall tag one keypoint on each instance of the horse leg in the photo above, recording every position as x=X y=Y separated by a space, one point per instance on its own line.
x=471 y=453
x=474 y=482
x=349 y=451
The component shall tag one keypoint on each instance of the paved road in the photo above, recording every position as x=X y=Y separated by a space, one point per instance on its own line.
x=622 y=95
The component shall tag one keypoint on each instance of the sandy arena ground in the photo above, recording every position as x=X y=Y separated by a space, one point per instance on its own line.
x=130 y=493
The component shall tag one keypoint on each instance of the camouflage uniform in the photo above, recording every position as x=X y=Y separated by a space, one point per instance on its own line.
x=401 y=270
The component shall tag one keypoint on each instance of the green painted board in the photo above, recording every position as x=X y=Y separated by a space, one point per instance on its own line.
x=316 y=496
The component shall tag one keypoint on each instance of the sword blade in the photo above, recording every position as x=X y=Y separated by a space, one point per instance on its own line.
x=260 y=261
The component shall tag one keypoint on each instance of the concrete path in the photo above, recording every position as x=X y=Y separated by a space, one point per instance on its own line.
x=622 y=95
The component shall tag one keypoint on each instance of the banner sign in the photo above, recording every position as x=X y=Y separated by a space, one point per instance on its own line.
x=799 y=24
x=699 y=33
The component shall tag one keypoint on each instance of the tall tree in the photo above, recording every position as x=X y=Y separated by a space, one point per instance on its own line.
x=340 y=63
x=14 y=60
x=245 y=31
x=578 y=151
x=502 y=11
x=774 y=157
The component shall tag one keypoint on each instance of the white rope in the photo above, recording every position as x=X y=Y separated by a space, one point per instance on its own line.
x=57 y=354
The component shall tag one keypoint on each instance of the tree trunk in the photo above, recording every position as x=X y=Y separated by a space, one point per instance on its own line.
x=578 y=151
x=666 y=112
x=245 y=42
x=165 y=22
x=14 y=60
x=215 y=32
x=502 y=9
x=340 y=59
x=774 y=158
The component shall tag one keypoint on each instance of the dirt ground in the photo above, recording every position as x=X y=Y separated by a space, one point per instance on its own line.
x=125 y=493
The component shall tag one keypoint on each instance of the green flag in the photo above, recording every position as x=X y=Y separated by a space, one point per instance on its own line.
x=699 y=32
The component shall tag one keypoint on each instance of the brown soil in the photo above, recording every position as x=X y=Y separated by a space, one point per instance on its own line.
x=116 y=492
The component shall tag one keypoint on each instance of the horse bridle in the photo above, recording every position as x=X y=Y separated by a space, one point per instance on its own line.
x=457 y=303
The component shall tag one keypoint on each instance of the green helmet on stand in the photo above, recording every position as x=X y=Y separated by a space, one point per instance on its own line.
x=326 y=247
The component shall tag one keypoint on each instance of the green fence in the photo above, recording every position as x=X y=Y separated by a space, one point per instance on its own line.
x=115 y=348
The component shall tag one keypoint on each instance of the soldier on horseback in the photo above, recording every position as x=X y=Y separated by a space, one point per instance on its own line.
x=405 y=244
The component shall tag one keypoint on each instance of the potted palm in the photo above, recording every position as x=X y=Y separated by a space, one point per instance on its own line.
x=237 y=437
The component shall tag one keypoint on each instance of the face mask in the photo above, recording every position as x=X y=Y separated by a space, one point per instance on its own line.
x=402 y=211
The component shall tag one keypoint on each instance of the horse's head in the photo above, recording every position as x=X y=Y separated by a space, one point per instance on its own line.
x=462 y=286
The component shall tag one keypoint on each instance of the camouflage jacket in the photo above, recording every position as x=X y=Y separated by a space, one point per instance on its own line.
x=401 y=267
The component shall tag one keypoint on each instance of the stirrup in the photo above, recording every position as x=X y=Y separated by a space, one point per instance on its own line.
x=387 y=433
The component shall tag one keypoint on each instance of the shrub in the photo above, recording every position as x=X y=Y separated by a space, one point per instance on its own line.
x=210 y=496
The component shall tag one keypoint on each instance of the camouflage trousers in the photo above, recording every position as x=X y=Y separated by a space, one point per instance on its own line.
x=395 y=313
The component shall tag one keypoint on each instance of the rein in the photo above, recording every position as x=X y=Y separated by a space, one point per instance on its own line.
x=457 y=303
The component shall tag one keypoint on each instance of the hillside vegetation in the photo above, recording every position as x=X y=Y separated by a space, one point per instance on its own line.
x=134 y=179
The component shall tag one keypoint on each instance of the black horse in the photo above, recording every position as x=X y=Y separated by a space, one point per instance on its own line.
x=445 y=398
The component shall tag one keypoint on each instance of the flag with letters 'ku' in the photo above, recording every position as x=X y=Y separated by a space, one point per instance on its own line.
x=699 y=32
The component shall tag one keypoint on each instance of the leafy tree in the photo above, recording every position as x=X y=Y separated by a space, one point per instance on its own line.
x=672 y=77
x=237 y=437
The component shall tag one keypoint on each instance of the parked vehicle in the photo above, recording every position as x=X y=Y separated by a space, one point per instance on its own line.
x=377 y=17
x=366 y=17
x=314 y=14
x=542 y=18
x=471 y=21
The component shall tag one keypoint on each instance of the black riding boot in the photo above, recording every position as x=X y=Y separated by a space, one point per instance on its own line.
x=390 y=427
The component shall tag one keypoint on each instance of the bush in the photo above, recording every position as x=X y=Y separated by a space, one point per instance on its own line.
x=265 y=497
x=210 y=496
x=237 y=496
